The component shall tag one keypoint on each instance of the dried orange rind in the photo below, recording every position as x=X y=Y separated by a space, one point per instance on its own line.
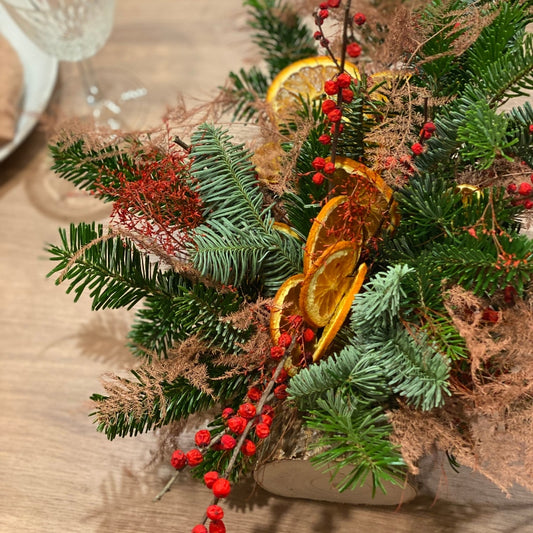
x=369 y=194
x=304 y=78
x=341 y=312
x=327 y=281
x=329 y=227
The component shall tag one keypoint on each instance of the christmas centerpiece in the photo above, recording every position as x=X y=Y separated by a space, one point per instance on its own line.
x=350 y=285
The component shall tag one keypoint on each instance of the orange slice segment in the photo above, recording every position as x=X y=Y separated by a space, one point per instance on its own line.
x=286 y=303
x=329 y=227
x=327 y=281
x=370 y=198
x=341 y=312
x=304 y=78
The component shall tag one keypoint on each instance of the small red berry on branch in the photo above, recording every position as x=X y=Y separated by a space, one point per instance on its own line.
x=194 y=457
x=221 y=488
x=318 y=178
x=202 y=437
x=359 y=19
x=525 y=188
x=227 y=442
x=324 y=139
x=331 y=87
x=417 y=149
x=284 y=340
x=254 y=394
x=178 y=459
x=262 y=430
x=344 y=80
x=247 y=410
x=237 y=424
x=200 y=528
x=318 y=163
x=215 y=512
x=328 y=106
x=280 y=392
x=277 y=352
x=210 y=478
x=353 y=50
x=248 y=448
x=329 y=167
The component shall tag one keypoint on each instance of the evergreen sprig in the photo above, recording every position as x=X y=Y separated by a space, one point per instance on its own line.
x=114 y=272
x=354 y=443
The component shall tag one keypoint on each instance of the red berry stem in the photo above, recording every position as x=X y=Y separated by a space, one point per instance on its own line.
x=264 y=398
x=172 y=480
x=336 y=130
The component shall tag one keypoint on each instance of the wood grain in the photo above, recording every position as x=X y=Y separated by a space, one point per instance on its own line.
x=58 y=473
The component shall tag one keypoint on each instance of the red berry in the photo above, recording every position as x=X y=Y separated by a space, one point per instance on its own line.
x=334 y=3
x=202 y=437
x=353 y=50
x=324 y=139
x=194 y=457
x=318 y=163
x=318 y=178
x=254 y=394
x=509 y=294
x=237 y=424
x=308 y=334
x=210 y=478
x=284 y=340
x=511 y=188
x=280 y=392
x=262 y=430
x=265 y=419
x=268 y=410
x=323 y=5
x=525 y=188
x=323 y=14
x=227 y=442
x=329 y=167
x=339 y=126
x=531 y=128
x=215 y=512
x=347 y=95
x=221 y=487
x=528 y=204
x=344 y=80
x=217 y=526
x=200 y=528
x=277 y=352
x=417 y=148
x=328 y=106
x=317 y=35
x=335 y=115
x=248 y=448
x=283 y=376
x=359 y=19
x=490 y=315
x=331 y=87
x=429 y=127
x=324 y=42
x=178 y=459
x=426 y=134
x=247 y=410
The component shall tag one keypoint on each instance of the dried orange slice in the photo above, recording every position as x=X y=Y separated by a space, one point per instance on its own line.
x=286 y=303
x=304 y=78
x=328 y=228
x=341 y=312
x=327 y=281
x=370 y=198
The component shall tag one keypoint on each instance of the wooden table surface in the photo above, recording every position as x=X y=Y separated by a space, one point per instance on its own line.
x=57 y=473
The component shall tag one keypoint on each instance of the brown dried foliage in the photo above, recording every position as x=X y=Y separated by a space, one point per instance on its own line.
x=487 y=423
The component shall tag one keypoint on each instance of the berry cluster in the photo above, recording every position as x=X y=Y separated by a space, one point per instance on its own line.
x=427 y=131
x=522 y=193
x=353 y=49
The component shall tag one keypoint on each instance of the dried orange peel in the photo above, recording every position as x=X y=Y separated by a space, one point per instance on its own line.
x=341 y=312
x=367 y=189
x=302 y=79
x=328 y=228
x=327 y=281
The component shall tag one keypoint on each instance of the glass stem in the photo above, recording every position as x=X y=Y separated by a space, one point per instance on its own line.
x=89 y=81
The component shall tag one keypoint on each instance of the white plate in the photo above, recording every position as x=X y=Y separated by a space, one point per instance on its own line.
x=40 y=73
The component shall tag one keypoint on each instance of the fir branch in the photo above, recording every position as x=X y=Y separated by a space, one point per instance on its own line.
x=280 y=34
x=355 y=437
x=111 y=268
x=246 y=88
x=119 y=416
